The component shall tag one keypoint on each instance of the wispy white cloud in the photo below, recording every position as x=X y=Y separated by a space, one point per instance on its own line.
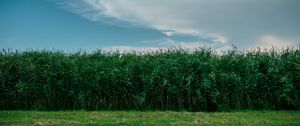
x=128 y=49
x=269 y=42
x=168 y=33
x=156 y=15
x=221 y=21
x=182 y=44
x=189 y=45
x=162 y=45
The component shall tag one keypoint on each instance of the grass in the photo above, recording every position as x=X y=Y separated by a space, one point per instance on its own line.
x=246 y=118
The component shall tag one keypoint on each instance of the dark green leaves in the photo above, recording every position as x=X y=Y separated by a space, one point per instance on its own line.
x=176 y=79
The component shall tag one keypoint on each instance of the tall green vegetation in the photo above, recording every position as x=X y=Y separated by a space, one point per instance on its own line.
x=173 y=79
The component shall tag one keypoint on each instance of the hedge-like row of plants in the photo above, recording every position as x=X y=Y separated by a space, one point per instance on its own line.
x=174 y=79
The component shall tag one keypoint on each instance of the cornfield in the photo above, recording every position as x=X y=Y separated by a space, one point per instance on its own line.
x=173 y=79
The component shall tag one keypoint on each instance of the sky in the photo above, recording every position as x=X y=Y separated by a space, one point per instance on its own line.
x=140 y=24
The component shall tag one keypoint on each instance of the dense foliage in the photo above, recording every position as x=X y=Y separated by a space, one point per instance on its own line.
x=173 y=79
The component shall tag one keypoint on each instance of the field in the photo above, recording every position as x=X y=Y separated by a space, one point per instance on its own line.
x=174 y=80
x=167 y=87
x=246 y=118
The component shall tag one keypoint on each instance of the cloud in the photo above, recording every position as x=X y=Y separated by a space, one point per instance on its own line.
x=269 y=42
x=128 y=49
x=188 y=45
x=168 y=33
x=155 y=15
x=162 y=45
x=182 y=44
x=165 y=44
x=223 y=22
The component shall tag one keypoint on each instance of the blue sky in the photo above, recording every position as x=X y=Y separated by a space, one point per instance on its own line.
x=135 y=24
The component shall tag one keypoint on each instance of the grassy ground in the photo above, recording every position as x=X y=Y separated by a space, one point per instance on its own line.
x=248 y=118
